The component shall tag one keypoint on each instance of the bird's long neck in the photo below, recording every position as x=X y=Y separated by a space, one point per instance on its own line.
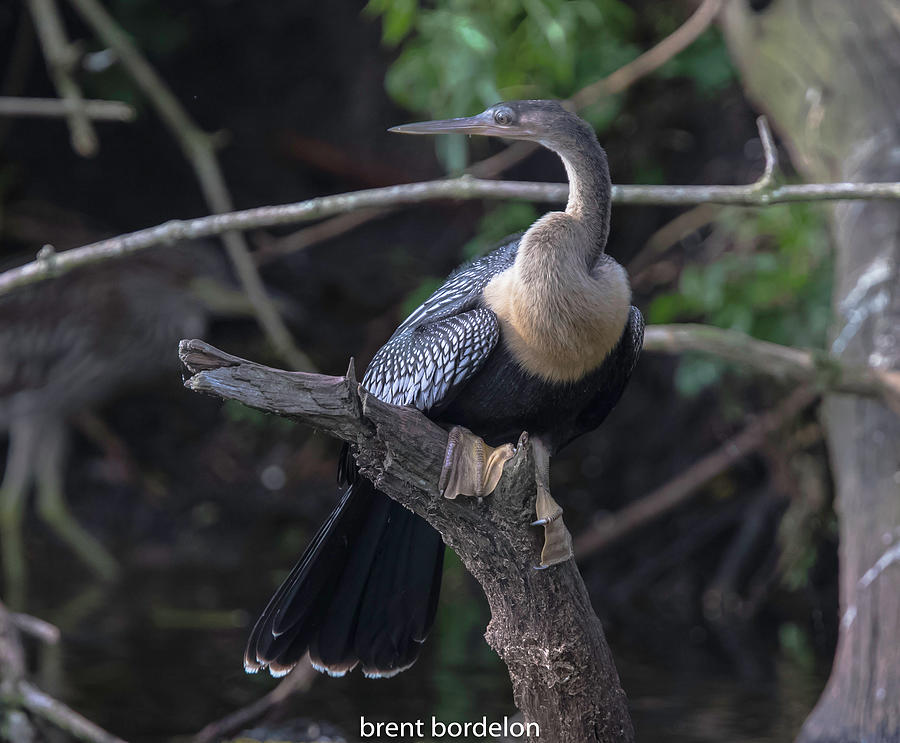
x=562 y=245
x=590 y=188
x=563 y=304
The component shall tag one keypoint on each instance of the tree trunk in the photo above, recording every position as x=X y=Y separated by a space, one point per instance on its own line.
x=828 y=73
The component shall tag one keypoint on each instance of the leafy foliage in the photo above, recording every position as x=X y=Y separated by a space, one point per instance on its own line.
x=459 y=56
x=768 y=275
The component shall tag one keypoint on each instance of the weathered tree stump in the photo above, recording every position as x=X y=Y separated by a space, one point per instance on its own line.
x=542 y=625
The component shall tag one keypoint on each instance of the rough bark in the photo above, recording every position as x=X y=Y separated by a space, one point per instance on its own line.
x=828 y=74
x=542 y=624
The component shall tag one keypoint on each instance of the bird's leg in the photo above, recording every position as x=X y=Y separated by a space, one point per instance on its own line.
x=557 y=540
x=23 y=437
x=471 y=467
x=53 y=509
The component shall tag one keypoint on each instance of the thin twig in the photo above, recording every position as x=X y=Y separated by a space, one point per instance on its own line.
x=652 y=59
x=199 y=149
x=49 y=108
x=35 y=627
x=60 y=57
x=669 y=234
x=682 y=487
x=325 y=230
x=300 y=679
x=62 y=716
x=492 y=166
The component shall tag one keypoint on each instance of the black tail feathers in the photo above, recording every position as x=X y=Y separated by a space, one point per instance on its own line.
x=365 y=591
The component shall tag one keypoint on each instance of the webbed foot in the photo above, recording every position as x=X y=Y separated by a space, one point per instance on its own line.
x=471 y=467
x=557 y=540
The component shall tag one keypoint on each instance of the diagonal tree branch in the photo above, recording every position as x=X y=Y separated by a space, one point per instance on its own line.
x=298 y=680
x=654 y=58
x=562 y=671
x=199 y=149
x=686 y=484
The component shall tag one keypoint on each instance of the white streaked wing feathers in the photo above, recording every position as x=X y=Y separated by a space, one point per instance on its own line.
x=421 y=366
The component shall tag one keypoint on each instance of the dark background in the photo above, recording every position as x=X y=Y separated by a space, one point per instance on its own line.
x=297 y=90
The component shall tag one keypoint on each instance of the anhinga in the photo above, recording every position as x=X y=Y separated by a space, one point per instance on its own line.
x=539 y=336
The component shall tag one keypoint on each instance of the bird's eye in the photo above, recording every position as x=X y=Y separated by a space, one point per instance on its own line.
x=503 y=117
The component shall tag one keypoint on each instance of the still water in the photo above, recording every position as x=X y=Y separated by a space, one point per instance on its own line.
x=159 y=657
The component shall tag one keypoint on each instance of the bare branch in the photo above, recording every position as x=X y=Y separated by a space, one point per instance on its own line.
x=681 y=488
x=49 y=108
x=808 y=366
x=52 y=710
x=35 y=627
x=298 y=680
x=60 y=57
x=562 y=671
x=17 y=693
x=199 y=149
x=684 y=224
x=770 y=152
x=652 y=59
x=413 y=193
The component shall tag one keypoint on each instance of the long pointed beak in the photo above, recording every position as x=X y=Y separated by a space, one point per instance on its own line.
x=480 y=124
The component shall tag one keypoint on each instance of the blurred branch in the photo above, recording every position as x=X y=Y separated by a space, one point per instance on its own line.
x=61 y=57
x=35 y=627
x=199 y=149
x=299 y=679
x=65 y=718
x=492 y=166
x=327 y=229
x=17 y=694
x=573 y=693
x=670 y=233
x=57 y=107
x=681 y=488
x=807 y=366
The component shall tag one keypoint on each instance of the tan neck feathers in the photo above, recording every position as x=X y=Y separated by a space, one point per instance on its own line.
x=560 y=314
